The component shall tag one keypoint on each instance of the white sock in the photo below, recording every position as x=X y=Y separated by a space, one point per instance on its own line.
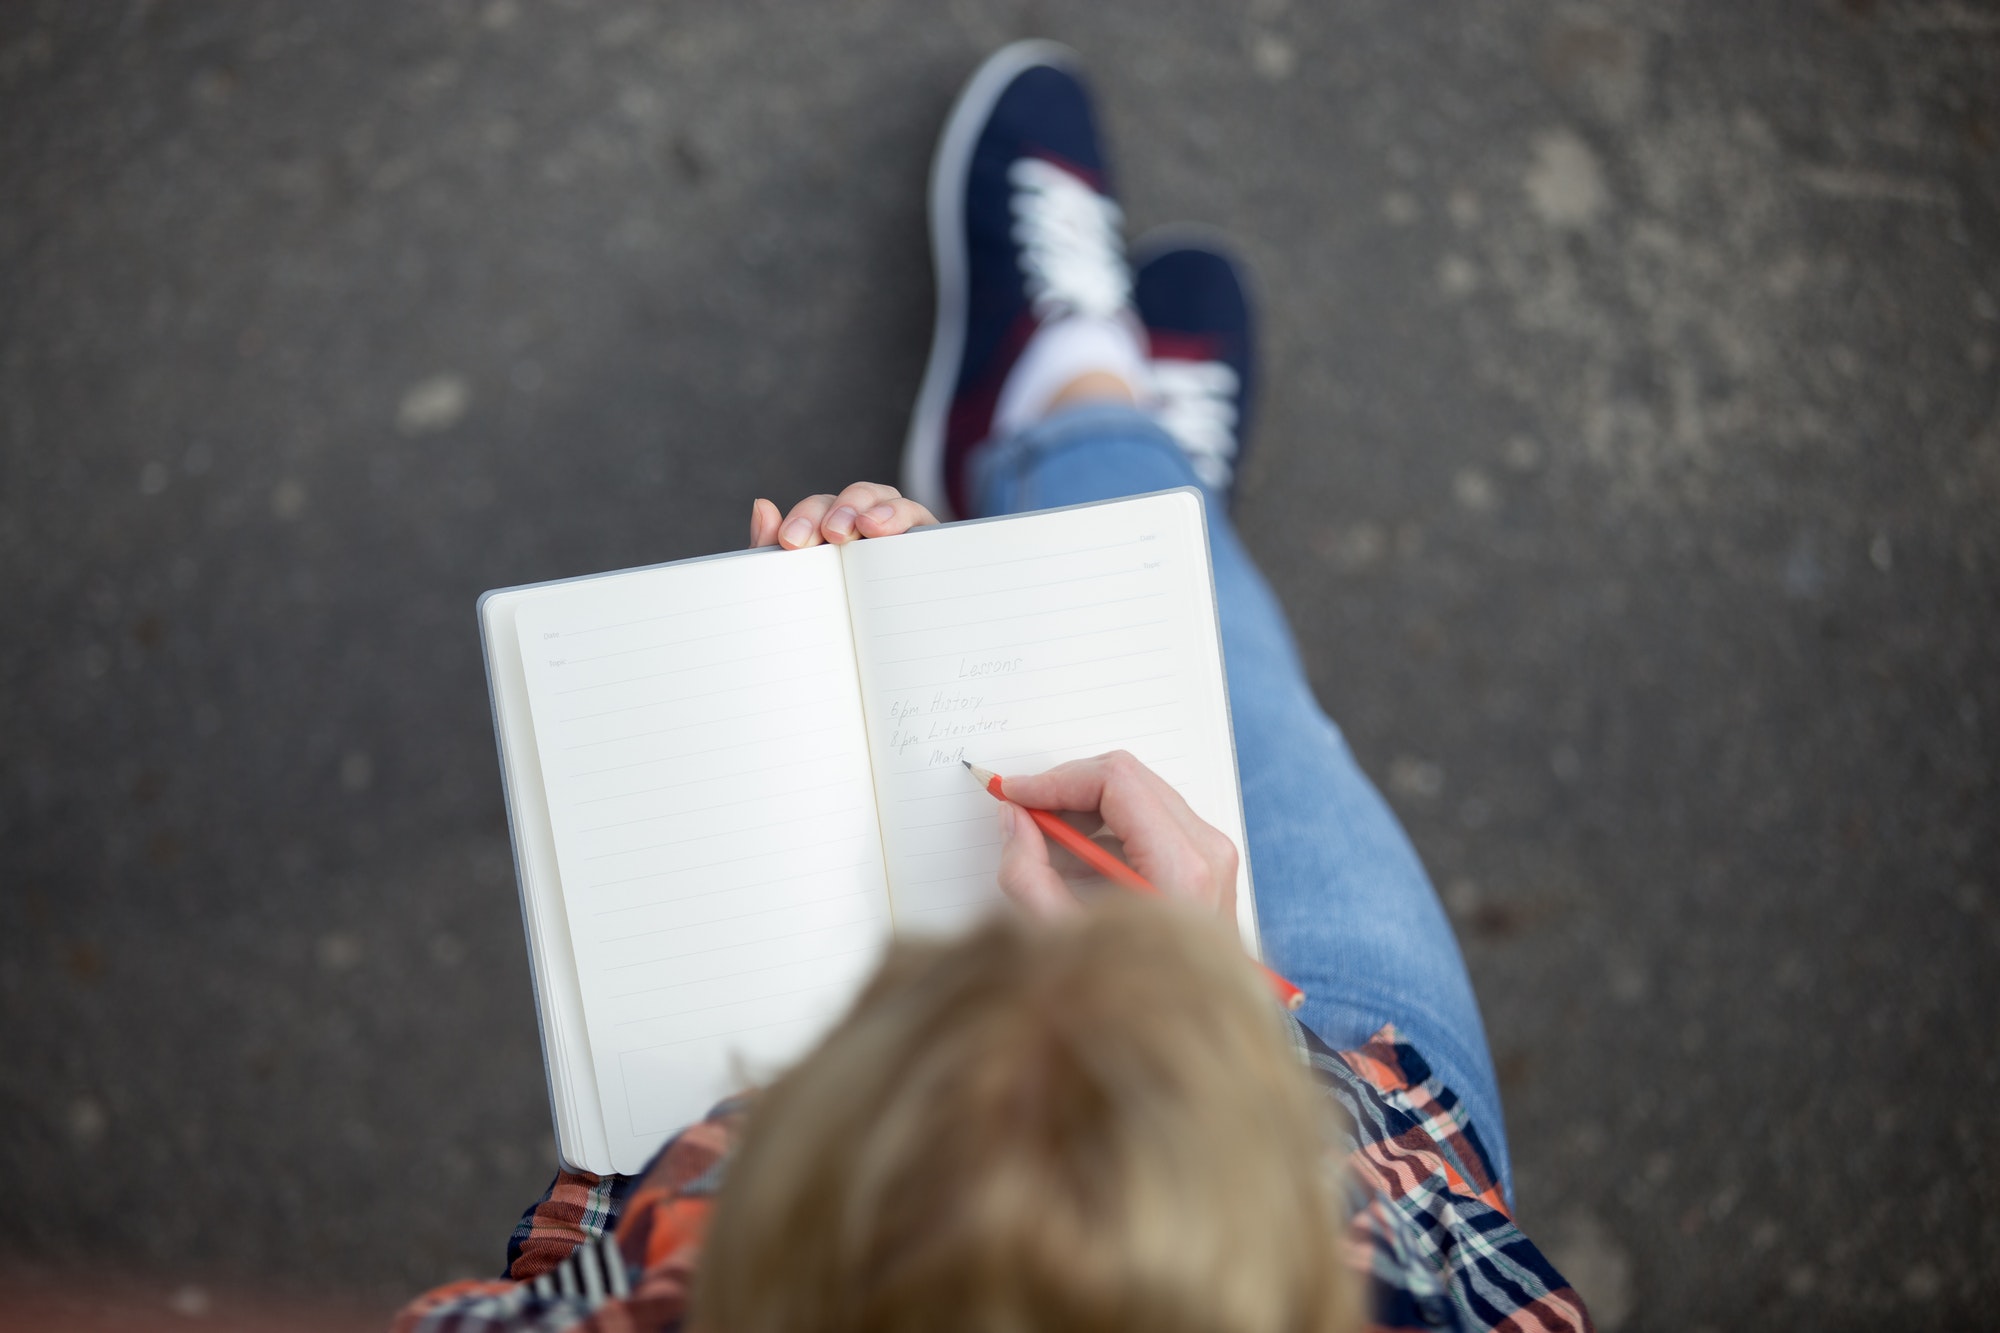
x=1059 y=352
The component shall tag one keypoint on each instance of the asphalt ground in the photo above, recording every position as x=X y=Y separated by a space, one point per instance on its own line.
x=1628 y=461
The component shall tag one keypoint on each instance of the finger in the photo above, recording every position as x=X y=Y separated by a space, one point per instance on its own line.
x=1025 y=873
x=764 y=522
x=1165 y=840
x=1214 y=863
x=1135 y=794
x=1076 y=785
x=802 y=524
x=889 y=517
x=839 y=525
x=1219 y=852
x=1096 y=783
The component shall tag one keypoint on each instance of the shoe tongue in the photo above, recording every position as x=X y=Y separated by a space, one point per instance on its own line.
x=1071 y=253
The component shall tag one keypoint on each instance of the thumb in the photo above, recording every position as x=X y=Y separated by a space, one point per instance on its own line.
x=763 y=523
x=1025 y=873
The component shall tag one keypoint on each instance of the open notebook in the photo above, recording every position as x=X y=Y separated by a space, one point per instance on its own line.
x=731 y=779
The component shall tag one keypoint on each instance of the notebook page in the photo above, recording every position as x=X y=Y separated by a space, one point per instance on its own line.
x=552 y=963
x=1021 y=643
x=708 y=784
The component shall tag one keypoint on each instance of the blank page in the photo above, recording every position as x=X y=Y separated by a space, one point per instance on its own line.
x=708 y=783
x=1023 y=642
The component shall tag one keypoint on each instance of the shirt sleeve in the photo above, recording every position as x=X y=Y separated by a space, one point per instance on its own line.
x=597 y=1252
x=1428 y=1231
x=578 y=1207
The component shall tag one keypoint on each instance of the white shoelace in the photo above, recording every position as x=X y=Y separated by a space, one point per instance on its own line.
x=1196 y=402
x=1074 y=262
x=1071 y=254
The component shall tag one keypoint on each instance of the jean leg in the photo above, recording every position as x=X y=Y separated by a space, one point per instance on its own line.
x=1345 y=907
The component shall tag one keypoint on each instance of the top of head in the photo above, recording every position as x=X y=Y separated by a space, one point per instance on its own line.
x=1093 y=1123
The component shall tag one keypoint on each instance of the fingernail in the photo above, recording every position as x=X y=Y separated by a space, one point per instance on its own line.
x=1006 y=821
x=798 y=532
x=882 y=513
x=840 y=523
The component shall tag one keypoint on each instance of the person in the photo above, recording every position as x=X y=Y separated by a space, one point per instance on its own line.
x=1084 y=1115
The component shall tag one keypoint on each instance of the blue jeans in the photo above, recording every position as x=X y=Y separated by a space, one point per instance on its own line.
x=1344 y=904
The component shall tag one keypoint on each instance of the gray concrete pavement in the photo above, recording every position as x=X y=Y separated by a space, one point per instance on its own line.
x=1629 y=463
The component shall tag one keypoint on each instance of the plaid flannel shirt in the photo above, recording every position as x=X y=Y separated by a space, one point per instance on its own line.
x=1428 y=1233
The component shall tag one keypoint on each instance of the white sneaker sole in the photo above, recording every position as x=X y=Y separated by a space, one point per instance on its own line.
x=923 y=449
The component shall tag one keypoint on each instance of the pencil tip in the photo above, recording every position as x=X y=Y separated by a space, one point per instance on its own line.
x=966 y=762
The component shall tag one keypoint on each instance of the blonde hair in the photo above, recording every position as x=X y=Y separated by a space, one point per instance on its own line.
x=1095 y=1124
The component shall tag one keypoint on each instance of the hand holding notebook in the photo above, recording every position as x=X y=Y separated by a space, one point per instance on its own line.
x=865 y=509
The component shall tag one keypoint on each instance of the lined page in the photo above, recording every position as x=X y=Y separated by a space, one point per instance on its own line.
x=559 y=1005
x=708 y=783
x=1021 y=643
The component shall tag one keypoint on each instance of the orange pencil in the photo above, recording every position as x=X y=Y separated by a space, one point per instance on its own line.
x=1094 y=855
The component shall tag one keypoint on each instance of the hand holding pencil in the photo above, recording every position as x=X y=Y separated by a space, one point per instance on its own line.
x=1173 y=851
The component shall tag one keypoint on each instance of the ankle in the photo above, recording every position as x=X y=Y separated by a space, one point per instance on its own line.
x=1071 y=359
x=1094 y=386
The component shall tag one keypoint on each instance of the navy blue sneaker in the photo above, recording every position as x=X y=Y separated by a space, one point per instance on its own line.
x=1023 y=230
x=1202 y=341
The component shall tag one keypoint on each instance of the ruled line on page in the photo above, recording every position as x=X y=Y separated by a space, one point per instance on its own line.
x=950 y=823
x=1015 y=560
x=681 y=927
x=690 y=726
x=707 y=865
x=1160 y=767
x=741 y=972
x=1030 y=643
x=670 y=671
x=729 y=1004
x=1031 y=671
x=958 y=850
x=937 y=795
x=990 y=705
x=758 y=942
x=685 y=754
x=1123 y=741
x=689 y=611
x=950 y=777
x=1047 y=756
x=710 y=893
x=1043 y=725
x=1095 y=713
x=687 y=698
x=1121 y=684
x=949 y=905
x=1038 y=585
x=995 y=620
x=791 y=757
x=733 y=1032
x=676 y=642
x=723 y=833
x=724 y=805
x=990 y=876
